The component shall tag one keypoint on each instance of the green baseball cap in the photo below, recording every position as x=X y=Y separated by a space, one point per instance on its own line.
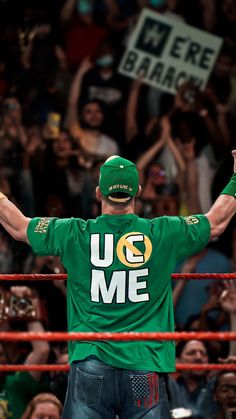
x=118 y=175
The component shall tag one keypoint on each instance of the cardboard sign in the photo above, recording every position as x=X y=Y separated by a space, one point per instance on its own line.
x=167 y=53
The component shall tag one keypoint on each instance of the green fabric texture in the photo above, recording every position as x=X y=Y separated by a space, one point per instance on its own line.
x=119 y=280
x=17 y=391
x=230 y=188
x=118 y=175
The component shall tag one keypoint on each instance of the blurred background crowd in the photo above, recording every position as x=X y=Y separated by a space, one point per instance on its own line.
x=64 y=109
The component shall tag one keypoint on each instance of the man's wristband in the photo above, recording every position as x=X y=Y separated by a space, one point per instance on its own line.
x=2 y=196
x=230 y=188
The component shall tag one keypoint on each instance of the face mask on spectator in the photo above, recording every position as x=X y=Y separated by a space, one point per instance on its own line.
x=105 y=60
x=85 y=7
x=157 y=3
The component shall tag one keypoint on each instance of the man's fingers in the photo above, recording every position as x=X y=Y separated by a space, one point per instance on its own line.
x=229 y=285
x=234 y=156
x=21 y=291
x=223 y=295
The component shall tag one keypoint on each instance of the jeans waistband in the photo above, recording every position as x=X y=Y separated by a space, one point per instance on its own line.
x=96 y=360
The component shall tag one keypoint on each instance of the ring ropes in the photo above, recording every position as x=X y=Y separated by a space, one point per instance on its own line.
x=127 y=336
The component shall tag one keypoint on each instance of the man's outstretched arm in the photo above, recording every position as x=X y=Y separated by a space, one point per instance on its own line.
x=224 y=207
x=12 y=219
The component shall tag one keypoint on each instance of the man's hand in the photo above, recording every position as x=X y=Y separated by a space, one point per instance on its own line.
x=231 y=359
x=22 y=291
x=228 y=297
x=85 y=65
x=234 y=156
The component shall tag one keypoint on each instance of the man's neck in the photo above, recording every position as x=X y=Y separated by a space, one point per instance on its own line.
x=106 y=72
x=192 y=383
x=87 y=19
x=110 y=210
x=94 y=132
x=62 y=162
x=114 y=211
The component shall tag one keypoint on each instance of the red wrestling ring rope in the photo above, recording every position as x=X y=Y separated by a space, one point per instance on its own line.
x=65 y=367
x=126 y=336
x=52 y=277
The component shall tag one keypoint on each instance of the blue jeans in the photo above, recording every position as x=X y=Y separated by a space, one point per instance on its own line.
x=99 y=391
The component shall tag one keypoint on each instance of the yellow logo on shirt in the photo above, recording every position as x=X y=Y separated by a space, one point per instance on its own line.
x=191 y=220
x=42 y=225
x=127 y=250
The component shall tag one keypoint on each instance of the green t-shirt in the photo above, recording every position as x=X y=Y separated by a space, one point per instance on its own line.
x=17 y=391
x=119 y=280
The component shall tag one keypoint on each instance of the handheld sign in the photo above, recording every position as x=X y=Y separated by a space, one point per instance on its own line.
x=167 y=53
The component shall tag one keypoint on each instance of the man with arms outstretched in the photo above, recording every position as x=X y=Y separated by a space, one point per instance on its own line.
x=119 y=280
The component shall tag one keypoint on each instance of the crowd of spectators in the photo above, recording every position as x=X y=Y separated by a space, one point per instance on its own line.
x=64 y=108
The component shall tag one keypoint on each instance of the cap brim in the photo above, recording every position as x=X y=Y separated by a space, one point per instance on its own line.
x=115 y=199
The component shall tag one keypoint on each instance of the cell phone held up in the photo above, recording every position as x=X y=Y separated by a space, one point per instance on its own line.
x=53 y=124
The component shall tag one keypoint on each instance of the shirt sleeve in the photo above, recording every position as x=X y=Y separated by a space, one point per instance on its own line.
x=190 y=234
x=48 y=236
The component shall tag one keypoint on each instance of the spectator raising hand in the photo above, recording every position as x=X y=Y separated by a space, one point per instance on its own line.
x=228 y=303
x=228 y=297
x=86 y=127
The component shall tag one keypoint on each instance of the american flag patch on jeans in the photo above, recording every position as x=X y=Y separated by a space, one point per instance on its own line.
x=145 y=389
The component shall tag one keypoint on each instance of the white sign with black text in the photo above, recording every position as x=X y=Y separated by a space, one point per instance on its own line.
x=167 y=52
